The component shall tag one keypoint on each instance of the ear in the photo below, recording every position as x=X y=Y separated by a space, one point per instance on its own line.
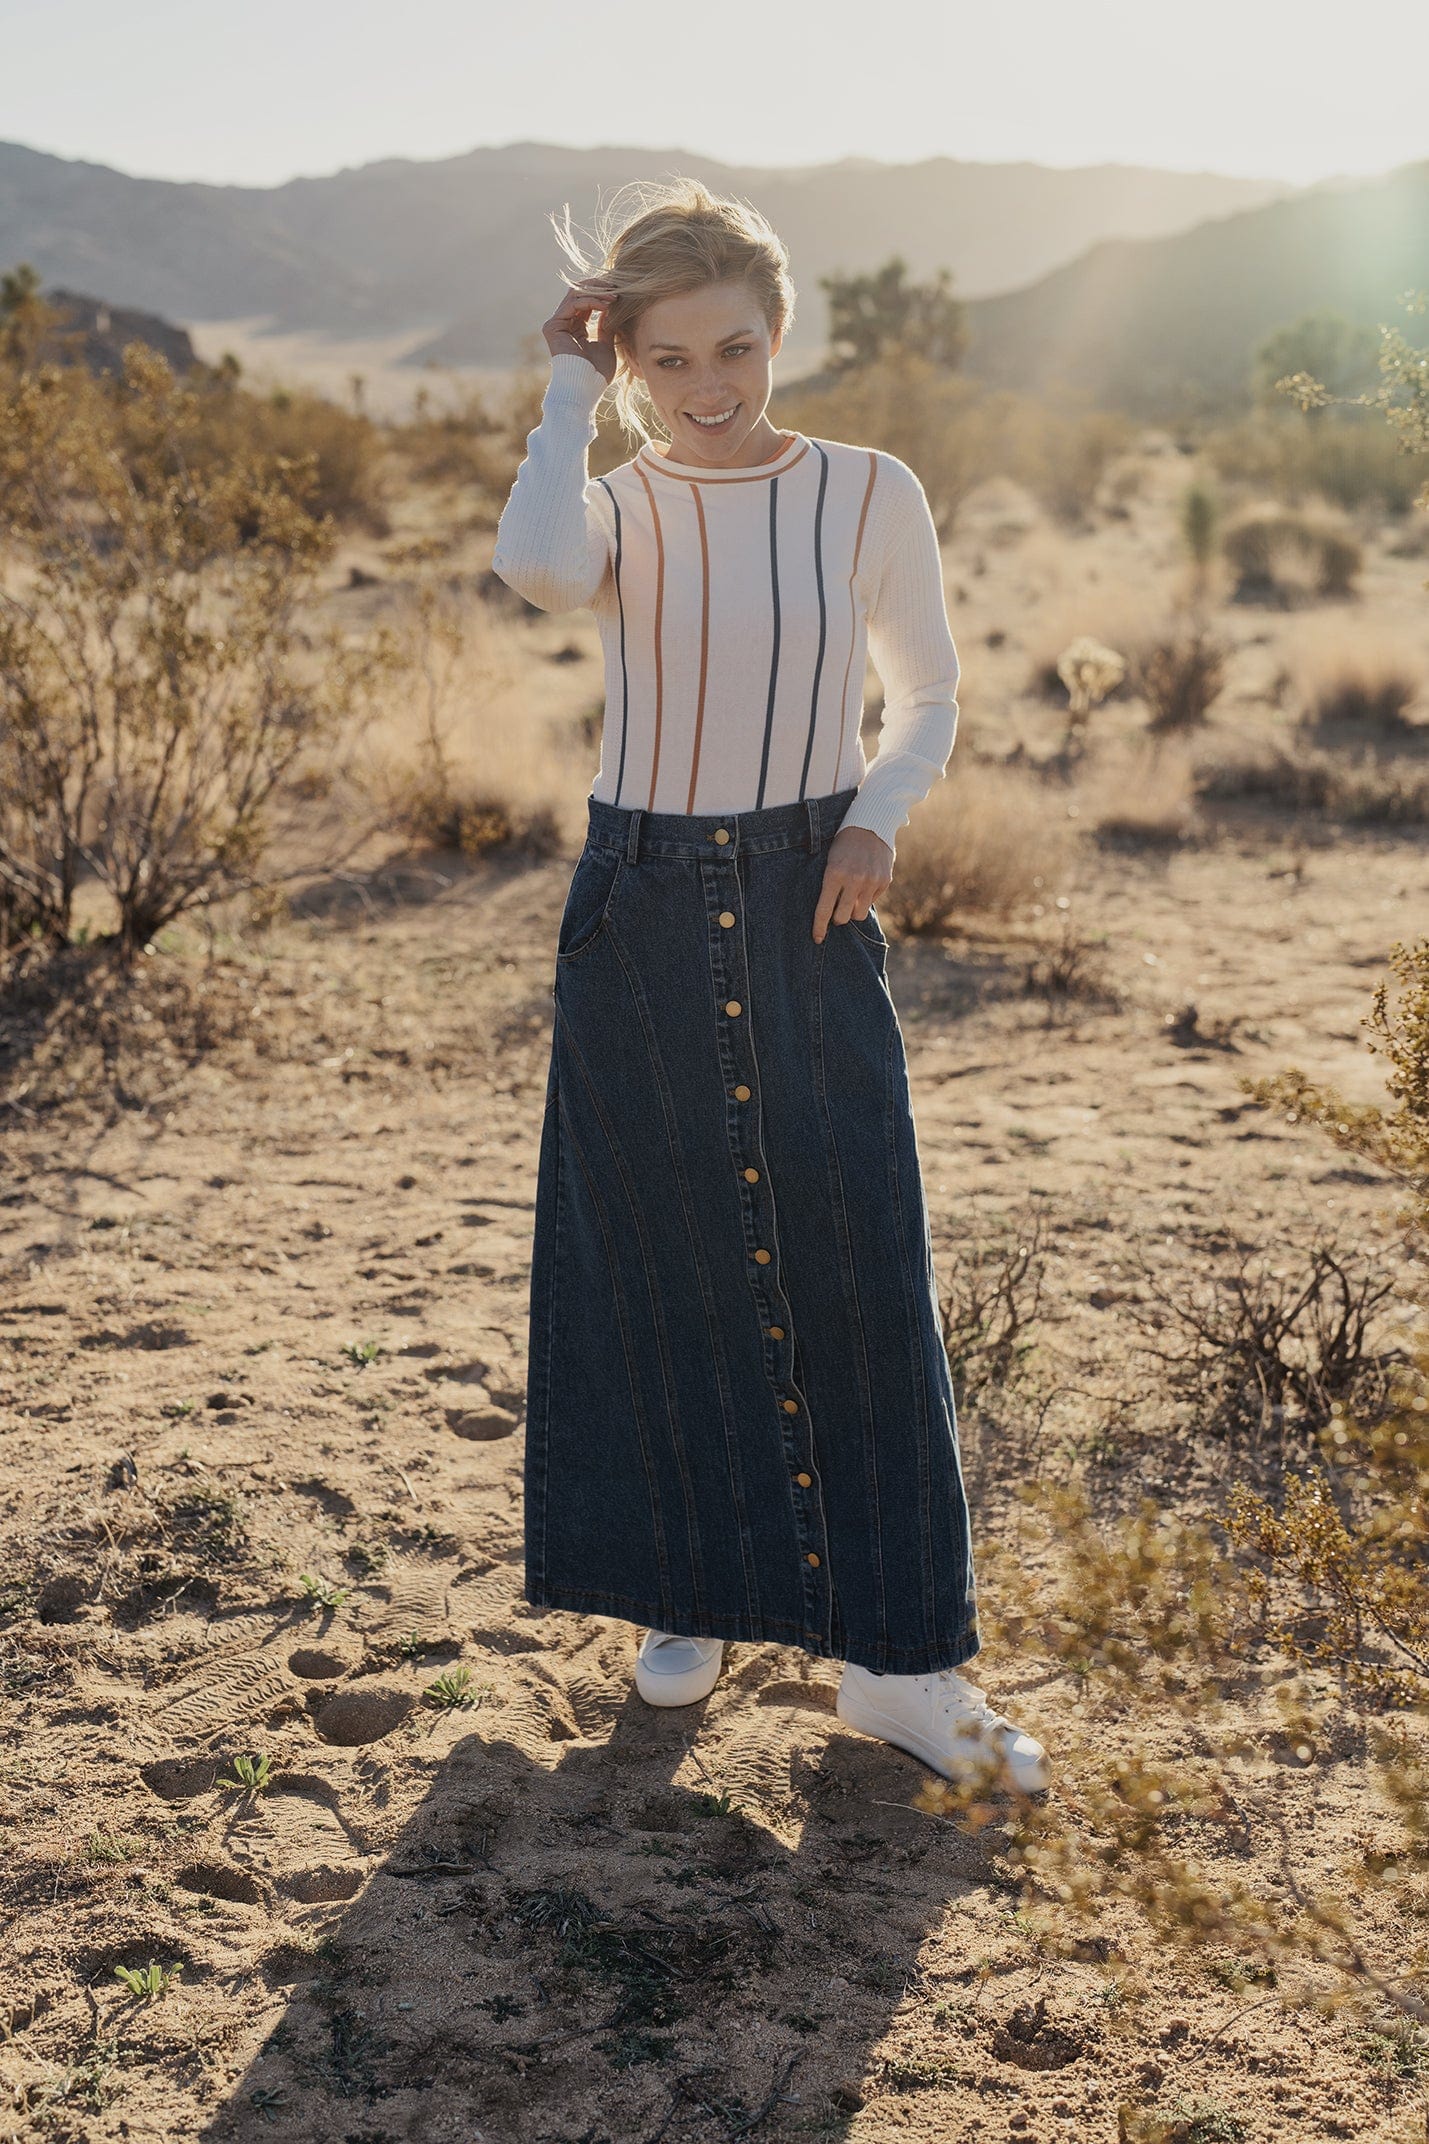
x=775 y=340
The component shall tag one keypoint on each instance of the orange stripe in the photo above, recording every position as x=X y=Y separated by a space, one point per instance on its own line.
x=704 y=643
x=759 y=475
x=852 y=615
x=659 y=610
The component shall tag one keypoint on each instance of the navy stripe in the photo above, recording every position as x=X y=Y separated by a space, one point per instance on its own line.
x=819 y=580
x=774 y=656
x=624 y=667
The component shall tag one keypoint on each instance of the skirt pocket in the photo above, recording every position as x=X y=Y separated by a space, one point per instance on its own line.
x=588 y=898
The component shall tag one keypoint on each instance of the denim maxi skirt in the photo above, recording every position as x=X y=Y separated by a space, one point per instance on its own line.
x=740 y=1421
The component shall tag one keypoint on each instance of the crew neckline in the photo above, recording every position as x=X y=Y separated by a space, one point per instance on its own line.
x=793 y=450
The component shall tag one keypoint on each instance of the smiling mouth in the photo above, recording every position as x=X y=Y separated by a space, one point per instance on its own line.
x=719 y=424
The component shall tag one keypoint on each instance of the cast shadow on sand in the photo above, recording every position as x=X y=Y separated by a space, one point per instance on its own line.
x=695 y=1923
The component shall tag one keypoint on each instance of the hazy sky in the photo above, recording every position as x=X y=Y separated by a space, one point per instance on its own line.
x=257 y=91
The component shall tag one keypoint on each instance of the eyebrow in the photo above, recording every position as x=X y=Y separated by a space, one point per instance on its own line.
x=730 y=337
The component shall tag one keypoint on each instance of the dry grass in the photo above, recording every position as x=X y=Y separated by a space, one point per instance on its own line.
x=986 y=843
x=1352 y=677
x=1143 y=794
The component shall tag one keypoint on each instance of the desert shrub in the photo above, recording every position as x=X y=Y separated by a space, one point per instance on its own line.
x=984 y=843
x=472 y=780
x=1281 y=557
x=345 y=449
x=1090 y=671
x=1367 y=692
x=1363 y=790
x=156 y=681
x=1352 y=463
x=1199 y=517
x=904 y=404
x=1274 y=1347
x=992 y=1306
x=957 y=433
x=1179 y=673
x=1145 y=797
x=1062 y=454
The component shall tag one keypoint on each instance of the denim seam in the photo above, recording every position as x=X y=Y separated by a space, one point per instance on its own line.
x=692 y=1235
x=925 y=1459
x=636 y=1395
x=850 y=1281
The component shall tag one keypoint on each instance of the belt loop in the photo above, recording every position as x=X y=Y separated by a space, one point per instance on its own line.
x=811 y=809
x=632 y=838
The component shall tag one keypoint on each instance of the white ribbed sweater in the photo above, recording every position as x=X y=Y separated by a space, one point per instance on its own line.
x=737 y=609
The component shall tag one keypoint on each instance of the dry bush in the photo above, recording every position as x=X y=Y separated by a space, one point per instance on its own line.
x=1117 y=620
x=1363 y=790
x=1166 y=1625
x=1353 y=463
x=157 y=682
x=957 y=433
x=1063 y=454
x=1270 y=1349
x=1179 y=673
x=346 y=452
x=1351 y=683
x=1144 y=795
x=1284 y=558
x=904 y=404
x=1068 y=965
x=984 y=843
x=989 y=1311
x=458 y=759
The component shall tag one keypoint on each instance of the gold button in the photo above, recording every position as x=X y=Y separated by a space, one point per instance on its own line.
x=751 y=1176
x=726 y=918
x=733 y=1007
x=721 y=834
x=791 y=1406
x=805 y=1481
x=776 y=1332
x=761 y=1258
x=811 y=1557
x=741 y=1094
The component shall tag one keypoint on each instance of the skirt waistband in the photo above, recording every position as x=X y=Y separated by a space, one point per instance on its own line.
x=722 y=835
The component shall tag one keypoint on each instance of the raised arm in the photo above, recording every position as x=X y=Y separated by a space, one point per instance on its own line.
x=551 y=543
x=911 y=646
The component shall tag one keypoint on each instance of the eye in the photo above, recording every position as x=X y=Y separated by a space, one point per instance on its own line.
x=737 y=349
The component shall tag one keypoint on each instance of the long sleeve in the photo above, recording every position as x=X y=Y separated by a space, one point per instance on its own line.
x=911 y=646
x=551 y=544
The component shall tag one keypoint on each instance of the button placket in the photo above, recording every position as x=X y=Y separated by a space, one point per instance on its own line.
x=731 y=976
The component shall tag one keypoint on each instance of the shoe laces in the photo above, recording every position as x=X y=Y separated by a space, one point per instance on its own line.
x=966 y=1701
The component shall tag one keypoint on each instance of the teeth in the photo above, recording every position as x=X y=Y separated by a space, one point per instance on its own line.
x=716 y=420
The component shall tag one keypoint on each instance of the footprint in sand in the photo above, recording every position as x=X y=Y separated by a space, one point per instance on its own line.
x=294 y=1839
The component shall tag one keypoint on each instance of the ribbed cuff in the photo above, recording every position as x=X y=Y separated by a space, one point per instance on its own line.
x=881 y=817
x=574 y=387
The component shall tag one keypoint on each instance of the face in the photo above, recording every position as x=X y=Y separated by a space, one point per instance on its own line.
x=706 y=354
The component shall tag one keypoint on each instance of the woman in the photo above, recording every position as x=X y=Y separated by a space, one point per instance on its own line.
x=740 y=1423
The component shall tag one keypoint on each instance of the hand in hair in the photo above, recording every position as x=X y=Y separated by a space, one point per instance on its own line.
x=566 y=329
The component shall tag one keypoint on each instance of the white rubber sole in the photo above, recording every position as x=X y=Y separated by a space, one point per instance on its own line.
x=1028 y=1778
x=663 y=1686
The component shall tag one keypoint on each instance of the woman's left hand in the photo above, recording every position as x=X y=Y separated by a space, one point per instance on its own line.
x=859 y=869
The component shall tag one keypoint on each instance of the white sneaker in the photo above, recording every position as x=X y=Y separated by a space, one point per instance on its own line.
x=677 y=1671
x=946 y=1721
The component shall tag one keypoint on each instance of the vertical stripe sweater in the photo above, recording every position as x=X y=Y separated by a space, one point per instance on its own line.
x=737 y=609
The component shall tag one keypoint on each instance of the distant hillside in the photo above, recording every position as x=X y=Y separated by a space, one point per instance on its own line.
x=460 y=252
x=88 y=332
x=1168 y=326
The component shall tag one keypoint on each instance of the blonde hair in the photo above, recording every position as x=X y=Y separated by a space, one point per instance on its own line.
x=680 y=238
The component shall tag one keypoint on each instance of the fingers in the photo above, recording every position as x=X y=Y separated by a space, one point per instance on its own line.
x=842 y=898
